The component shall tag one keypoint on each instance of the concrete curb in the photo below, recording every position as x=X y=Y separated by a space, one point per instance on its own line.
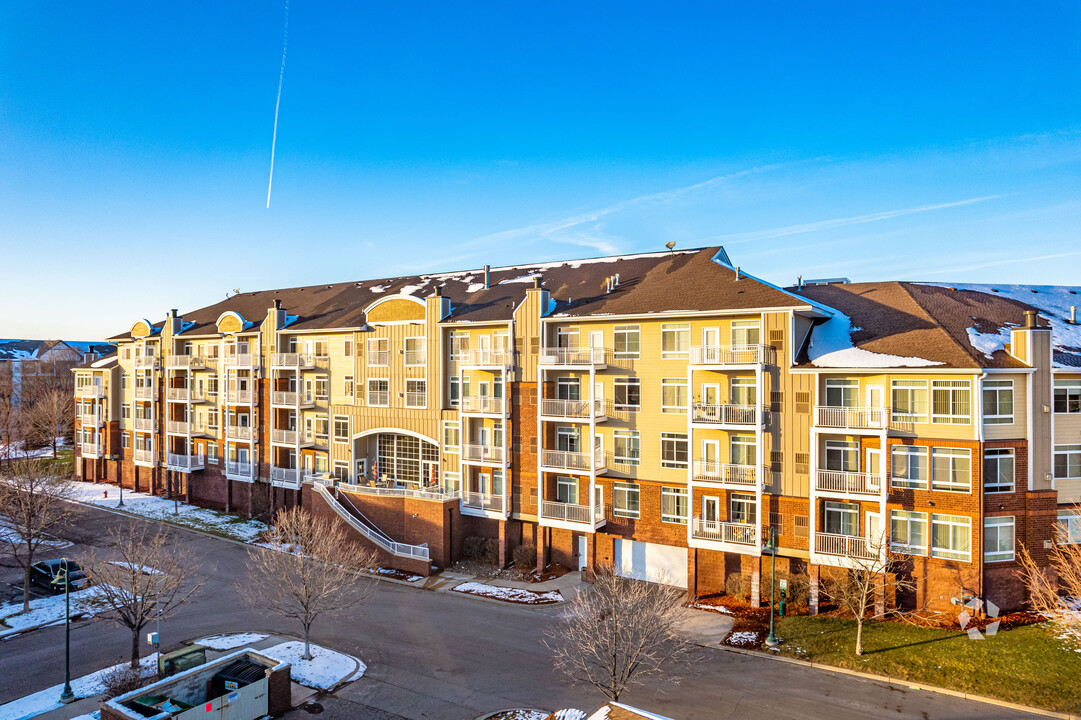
x=900 y=683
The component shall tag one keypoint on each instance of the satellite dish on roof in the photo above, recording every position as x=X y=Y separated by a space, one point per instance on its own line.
x=670 y=244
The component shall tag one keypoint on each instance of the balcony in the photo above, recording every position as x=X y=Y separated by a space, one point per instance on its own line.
x=238 y=397
x=187 y=362
x=736 y=415
x=235 y=470
x=146 y=393
x=285 y=476
x=570 y=514
x=843 y=546
x=585 y=357
x=483 y=502
x=292 y=399
x=577 y=461
x=724 y=532
x=737 y=476
x=851 y=418
x=482 y=405
x=92 y=419
x=183 y=463
x=283 y=437
x=238 y=432
x=145 y=425
x=144 y=457
x=574 y=409
x=177 y=427
x=486 y=358
x=174 y=394
x=730 y=355
x=243 y=361
x=847 y=483
x=491 y=454
x=90 y=391
x=146 y=362
x=292 y=361
x=90 y=450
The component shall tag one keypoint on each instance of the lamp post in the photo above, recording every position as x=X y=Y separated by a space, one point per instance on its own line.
x=771 y=548
x=67 y=695
x=121 y=504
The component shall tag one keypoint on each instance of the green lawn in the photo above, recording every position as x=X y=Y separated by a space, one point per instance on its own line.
x=1026 y=665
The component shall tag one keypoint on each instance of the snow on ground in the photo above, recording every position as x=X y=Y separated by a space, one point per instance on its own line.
x=988 y=343
x=160 y=508
x=711 y=608
x=742 y=638
x=831 y=346
x=9 y=534
x=47 y=609
x=228 y=642
x=522 y=714
x=48 y=699
x=508 y=594
x=325 y=670
x=136 y=566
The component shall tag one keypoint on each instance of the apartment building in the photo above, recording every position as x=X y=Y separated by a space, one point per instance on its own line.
x=666 y=413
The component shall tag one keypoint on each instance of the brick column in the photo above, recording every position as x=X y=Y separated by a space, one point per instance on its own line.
x=502 y=544
x=880 y=596
x=756 y=587
x=542 y=548
x=591 y=555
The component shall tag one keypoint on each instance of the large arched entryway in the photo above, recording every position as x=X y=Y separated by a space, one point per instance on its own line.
x=396 y=457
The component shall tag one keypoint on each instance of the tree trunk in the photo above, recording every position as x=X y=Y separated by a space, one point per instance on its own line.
x=859 y=636
x=135 y=648
x=26 y=584
x=307 y=644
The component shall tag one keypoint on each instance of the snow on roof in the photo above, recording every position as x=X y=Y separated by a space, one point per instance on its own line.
x=831 y=346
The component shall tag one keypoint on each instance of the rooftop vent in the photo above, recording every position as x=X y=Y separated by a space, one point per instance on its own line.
x=828 y=281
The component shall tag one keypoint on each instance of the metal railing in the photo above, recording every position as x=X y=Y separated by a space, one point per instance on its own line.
x=749 y=415
x=146 y=362
x=482 y=404
x=238 y=432
x=183 y=463
x=377 y=537
x=177 y=394
x=487 y=357
x=240 y=360
x=573 y=356
x=146 y=393
x=729 y=354
x=283 y=437
x=851 y=418
x=573 y=408
x=568 y=512
x=851 y=546
x=483 y=501
x=144 y=424
x=90 y=391
x=187 y=362
x=728 y=532
x=482 y=453
x=292 y=360
x=566 y=460
x=241 y=397
x=285 y=475
x=433 y=493
x=726 y=473
x=239 y=469
x=89 y=449
x=143 y=456
x=854 y=483
x=177 y=427
x=93 y=418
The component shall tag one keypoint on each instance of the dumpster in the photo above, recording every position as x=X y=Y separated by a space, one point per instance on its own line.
x=235 y=676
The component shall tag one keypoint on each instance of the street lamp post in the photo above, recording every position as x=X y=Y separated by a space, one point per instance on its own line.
x=121 y=492
x=772 y=641
x=67 y=695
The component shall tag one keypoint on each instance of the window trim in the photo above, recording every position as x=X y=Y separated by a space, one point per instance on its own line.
x=676 y=383
x=334 y=429
x=630 y=436
x=628 y=489
x=368 y=394
x=424 y=393
x=1068 y=452
x=908 y=518
x=456 y=427
x=952 y=521
x=998 y=453
x=999 y=521
x=998 y=387
x=677 y=329
x=951 y=386
x=908 y=451
x=628 y=330
x=910 y=388
x=678 y=493
x=950 y=486
x=626 y=382
x=675 y=439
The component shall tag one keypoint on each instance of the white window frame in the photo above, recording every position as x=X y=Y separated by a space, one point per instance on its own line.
x=627 y=332
x=339 y=438
x=622 y=492
x=1068 y=527
x=452 y=480
x=411 y=356
x=212 y=452
x=949 y=553
x=849 y=389
x=678 y=335
x=995 y=456
x=992 y=528
x=452 y=428
x=670 y=442
x=1069 y=392
x=954 y=454
x=376 y=354
x=1071 y=462
x=740 y=331
x=368 y=398
x=907 y=520
x=916 y=394
x=633 y=438
x=993 y=392
x=567 y=490
x=954 y=417
x=674 y=496
x=628 y=383
x=676 y=384
x=742 y=504
x=348 y=386
x=841 y=510
x=902 y=457
x=412 y=396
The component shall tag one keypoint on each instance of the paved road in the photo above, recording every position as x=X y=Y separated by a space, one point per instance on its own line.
x=432 y=655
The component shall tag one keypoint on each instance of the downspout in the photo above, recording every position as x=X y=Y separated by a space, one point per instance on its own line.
x=980 y=438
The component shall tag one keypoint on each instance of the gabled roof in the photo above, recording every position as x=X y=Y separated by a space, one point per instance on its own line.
x=104 y=363
x=37 y=349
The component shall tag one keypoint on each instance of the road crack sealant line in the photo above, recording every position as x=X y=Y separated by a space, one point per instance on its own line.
x=902 y=684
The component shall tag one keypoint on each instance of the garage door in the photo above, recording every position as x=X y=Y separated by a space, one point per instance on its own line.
x=651 y=561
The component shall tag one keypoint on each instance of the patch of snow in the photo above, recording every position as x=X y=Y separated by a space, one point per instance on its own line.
x=831 y=346
x=48 y=609
x=474 y=287
x=325 y=670
x=228 y=642
x=410 y=289
x=523 y=279
x=712 y=608
x=524 y=714
x=108 y=359
x=8 y=534
x=509 y=594
x=569 y=714
x=136 y=566
x=988 y=343
x=379 y=288
x=48 y=699
x=742 y=638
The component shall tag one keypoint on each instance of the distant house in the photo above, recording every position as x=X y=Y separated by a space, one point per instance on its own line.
x=27 y=366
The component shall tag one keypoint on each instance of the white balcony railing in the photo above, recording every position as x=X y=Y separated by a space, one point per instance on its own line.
x=283 y=437
x=144 y=456
x=240 y=360
x=851 y=546
x=144 y=424
x=187 y=362
x=148 y=392
x=92 y=418
x=238 y=432
x=426 y=493
x=184 y=463
x=482 y=404
x=583 y=409
x=285 y=475
x=146 y=362
x=573 y=356
x=851 y=418
x=749 y=415
x=177 y=394
x=241 y=470
x=727 y=473
x=483 y=357
x=729 y=354
x=567 y=512
x=238 y=397
x=565 y=460
x=292 y=361
x=177 y=427
x=90 y=391
x=849 y=483
x=727 y=532
x=91 y=450
x=483 y=501
x=482 y=453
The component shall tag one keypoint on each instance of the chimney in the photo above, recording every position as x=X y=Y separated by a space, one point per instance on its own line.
x=536 y=282
x=617 y=279
x=1030 y=319
x=799 y=282
x=277 y=304
x=172 y=313
x=438 y=292
x=1073 y=314
x=737 y=272
x=487 y=278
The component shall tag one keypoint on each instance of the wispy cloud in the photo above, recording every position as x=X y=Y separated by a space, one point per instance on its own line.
x=996 y=263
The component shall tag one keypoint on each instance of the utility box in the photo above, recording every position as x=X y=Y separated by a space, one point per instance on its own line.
x=181 y=660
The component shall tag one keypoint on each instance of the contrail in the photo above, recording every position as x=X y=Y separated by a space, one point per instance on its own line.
x=277 y=104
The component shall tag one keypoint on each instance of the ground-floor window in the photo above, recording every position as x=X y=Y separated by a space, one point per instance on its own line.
x=951 y=537
x=998 y=539
x=1069 y=527
x=405 y=458
x=908 y=532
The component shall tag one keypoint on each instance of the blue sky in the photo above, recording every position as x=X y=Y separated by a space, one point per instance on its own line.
x=937 y=141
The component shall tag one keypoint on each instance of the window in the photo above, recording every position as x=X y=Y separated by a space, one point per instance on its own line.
x=212 y=452
x=909 y=401
x=455 y=391
x=1068 y=396
x=1068 y=461
x=743 y=450
x=673 y=450
x=567 y=490
x=950 y=402
x=842 y=393
x=628 y=393
x=908 y=532
x=406 y=459
x=348 y=353
x=378 y=352
x=1069 y=527
x=416 y=393
x=341 y=471
x=379 y=393
x=743 y=509
x=745 y=332
x=997 y=402
x=842 y=518
x=321 y=351
x=348 y=386
x=626 y=500
x=673 y=395
x=125 y=412
x=998 y=470
x=998 y=539
x=125 y=441
x=123 y=381
x=452 y=481
x=675 y=340
x=674 y=505
x=568 y=388
x=459 y=345
x=341 y=429
x=627 y=447
x=951 y=537
x=415 y=351
x=452 y=435
x=322 y=431
x=212 y=419
x=951 y=469
x=627 y=341
x=743 y=392
x=908 y=467
x=842 y=455
x=322 y=388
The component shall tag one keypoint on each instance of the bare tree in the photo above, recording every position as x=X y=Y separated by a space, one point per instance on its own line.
x=33 y=501
x=619 y=632
x=1055 y=591
x=854 y=588
x=51 y=417
x=149 y=578
x=309 y=570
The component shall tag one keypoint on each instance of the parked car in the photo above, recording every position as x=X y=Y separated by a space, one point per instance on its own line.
x=49 y=575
